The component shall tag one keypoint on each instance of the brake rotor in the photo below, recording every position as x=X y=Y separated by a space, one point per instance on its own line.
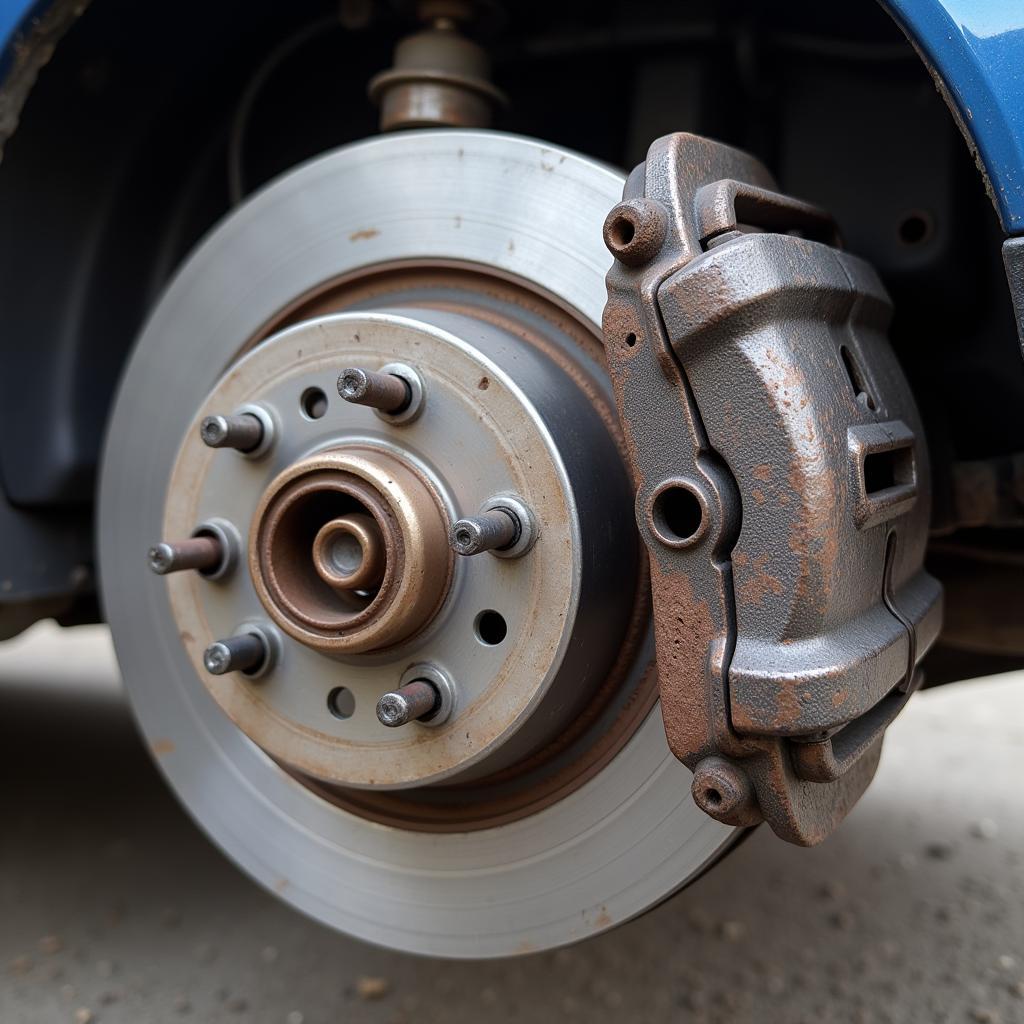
x=543 y=804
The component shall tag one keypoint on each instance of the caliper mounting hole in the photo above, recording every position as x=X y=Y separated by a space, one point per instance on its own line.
x=677 y=514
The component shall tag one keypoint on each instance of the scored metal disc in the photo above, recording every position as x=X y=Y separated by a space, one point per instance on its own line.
x=610 y=849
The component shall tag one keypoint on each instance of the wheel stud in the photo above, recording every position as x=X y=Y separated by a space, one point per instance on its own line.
x=203 y=553
x=417 y=699
x=244 y=653
x=386 y=392
x=243 y=432
x=489 y=531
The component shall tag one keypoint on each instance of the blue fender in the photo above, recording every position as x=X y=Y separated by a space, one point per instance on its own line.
x=15 y=16
x=974 y=48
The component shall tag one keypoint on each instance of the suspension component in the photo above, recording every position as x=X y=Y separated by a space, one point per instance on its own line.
x=440 y=77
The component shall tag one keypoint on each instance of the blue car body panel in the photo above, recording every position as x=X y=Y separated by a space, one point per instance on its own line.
x=974 y=47
x=14 y=19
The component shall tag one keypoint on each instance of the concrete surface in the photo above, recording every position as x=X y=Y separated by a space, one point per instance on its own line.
x=115 y=909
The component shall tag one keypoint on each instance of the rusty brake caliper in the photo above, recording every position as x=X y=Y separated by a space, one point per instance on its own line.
x=782 y=485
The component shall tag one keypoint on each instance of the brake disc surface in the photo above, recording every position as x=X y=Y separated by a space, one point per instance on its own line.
x=591 y=823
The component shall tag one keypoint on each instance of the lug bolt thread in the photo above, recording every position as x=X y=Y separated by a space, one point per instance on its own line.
x=244 y=432
x=385 y=392
x=203 y=553
x=488 y=531
x=418 y=699
x=245 y=653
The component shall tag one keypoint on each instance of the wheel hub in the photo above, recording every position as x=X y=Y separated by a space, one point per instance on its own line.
x=348 y=550
x=348 y=515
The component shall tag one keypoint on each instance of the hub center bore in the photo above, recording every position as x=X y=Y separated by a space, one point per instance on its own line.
x=348 y=550
x=349 y=554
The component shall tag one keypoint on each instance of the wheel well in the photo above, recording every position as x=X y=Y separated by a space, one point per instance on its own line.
x=121 y=163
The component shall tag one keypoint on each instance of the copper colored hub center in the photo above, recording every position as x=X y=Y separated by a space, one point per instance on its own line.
x=349 y=552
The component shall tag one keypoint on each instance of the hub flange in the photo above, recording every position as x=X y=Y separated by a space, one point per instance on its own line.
x=348 y=548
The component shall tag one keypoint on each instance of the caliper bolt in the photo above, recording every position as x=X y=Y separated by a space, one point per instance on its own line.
x=386 y=392
x=243 y=432
x=417 y=699
x=203 y=553
x=244 y=653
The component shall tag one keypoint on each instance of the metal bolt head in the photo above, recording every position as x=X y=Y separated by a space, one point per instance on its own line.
x=383 y=391
x=243 y=432
x=635 y=229
x=488 y=531
x=245 y=652
x=214 y=430
x=414 y=700
x=204 y=552
x=353 y=384
x=217 y=658
x=393 y=711
x=161 y=558
x=395 y=392
x=505 y=526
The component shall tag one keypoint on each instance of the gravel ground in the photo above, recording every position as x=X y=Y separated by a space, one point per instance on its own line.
x=114 y=909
